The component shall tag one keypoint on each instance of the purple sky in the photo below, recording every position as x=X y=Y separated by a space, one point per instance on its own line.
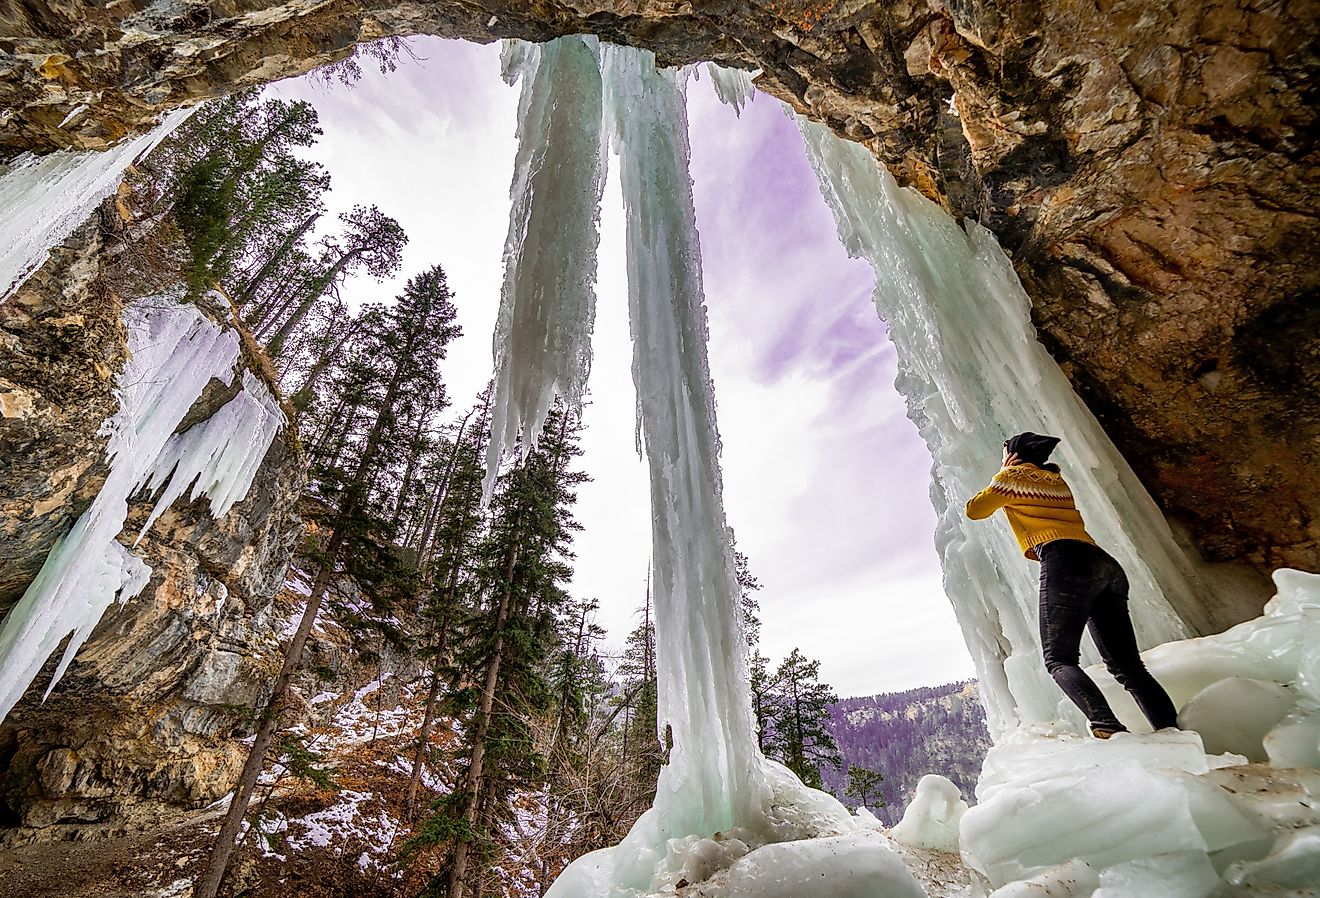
x=825 y=478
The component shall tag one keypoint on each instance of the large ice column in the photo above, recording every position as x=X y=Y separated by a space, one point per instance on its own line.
x=973 y=373
x=43 y=198
x=711 y=780
x=548 y=303
x=714 y=778
x=174 y=352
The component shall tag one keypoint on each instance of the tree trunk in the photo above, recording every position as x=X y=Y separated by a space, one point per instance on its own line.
x=269 y=722
x=304 y=393
x=478 y=761
x=413 y=452
x=318 y=288
x=423 y=735
x=249 y=288
x=209 y=884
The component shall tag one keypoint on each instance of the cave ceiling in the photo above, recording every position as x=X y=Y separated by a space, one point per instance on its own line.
x=1151 y=168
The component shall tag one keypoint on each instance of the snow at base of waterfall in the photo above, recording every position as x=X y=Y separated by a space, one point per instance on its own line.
x=1136 y=816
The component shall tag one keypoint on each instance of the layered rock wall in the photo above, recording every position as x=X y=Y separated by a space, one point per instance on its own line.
x=153 y=711
x=1151 y=167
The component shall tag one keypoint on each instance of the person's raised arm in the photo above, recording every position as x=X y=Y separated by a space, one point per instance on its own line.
x=986 y=503
x=990 y=499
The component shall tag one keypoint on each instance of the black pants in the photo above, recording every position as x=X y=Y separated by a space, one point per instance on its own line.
x=1082 y=586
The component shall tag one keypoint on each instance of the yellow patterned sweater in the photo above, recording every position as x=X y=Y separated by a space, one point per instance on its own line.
x=1038 y=504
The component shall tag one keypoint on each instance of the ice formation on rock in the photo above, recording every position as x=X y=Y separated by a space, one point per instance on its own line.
x=932 y=817
x=733 y=87
x=45 y=197
x=175 y=351
x=973 y=373
x=548 y=303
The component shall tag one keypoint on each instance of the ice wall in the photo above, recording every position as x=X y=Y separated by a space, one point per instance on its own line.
x=44 y=198
x=547 y=307
x=973 y=374
x=175 y=351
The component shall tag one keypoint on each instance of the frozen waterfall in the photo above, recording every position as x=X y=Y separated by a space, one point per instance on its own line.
x=45 y=197
x=973 y=374
x=548 y=302
x=174 y=351
x=713 y=780
x=723 y=814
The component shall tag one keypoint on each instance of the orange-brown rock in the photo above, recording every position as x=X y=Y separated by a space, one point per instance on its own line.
x=1151 y=167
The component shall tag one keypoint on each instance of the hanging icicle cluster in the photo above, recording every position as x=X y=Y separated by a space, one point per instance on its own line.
x=973 y=374
x=548 y=301
x=174 y=351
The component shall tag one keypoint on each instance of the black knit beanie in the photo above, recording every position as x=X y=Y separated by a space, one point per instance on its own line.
x=1032 y=447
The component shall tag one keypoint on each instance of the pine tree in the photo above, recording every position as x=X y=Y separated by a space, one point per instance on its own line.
x=447 y=543
x=800 y=734
x=747 y=586
x=235 y=187
x=641 y=749
x=371 y=242
x=523 y=561
x=863 y=783
x=405 y=347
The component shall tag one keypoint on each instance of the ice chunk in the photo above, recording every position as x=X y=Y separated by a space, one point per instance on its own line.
x=1074 y=879
x=1219 y=821
x=1103 y=815
x=1295 y=742
x=542 y=337
x=973 y=373
x=796 y=812
x=175 y=351
x=1273 y=799
x=1025 y=758
x=45 y=198
x=1181 y=874
x=696 y=859
x=1273 y=648
x=1235 y=714
x=1293 y=864
x=932 y=817
x=857 y=865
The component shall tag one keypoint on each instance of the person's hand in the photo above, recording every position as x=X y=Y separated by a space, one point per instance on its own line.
x=1011 y=458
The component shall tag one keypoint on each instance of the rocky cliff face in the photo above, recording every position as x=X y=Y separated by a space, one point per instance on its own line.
x=153 y=709
x=1150 y=167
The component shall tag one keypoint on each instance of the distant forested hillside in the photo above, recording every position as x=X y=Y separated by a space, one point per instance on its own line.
x=904 y=735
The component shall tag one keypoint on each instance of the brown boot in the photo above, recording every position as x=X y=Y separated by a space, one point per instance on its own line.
x=1105 y=732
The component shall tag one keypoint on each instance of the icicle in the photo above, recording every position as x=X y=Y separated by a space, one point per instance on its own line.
x=714 y=778
x=973 y=373
x=733 y=87
x=174 y=352
x=548 y=304
x=218 y=457
x=44 y=198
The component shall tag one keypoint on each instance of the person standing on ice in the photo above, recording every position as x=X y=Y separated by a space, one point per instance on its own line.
x=1081 y=585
